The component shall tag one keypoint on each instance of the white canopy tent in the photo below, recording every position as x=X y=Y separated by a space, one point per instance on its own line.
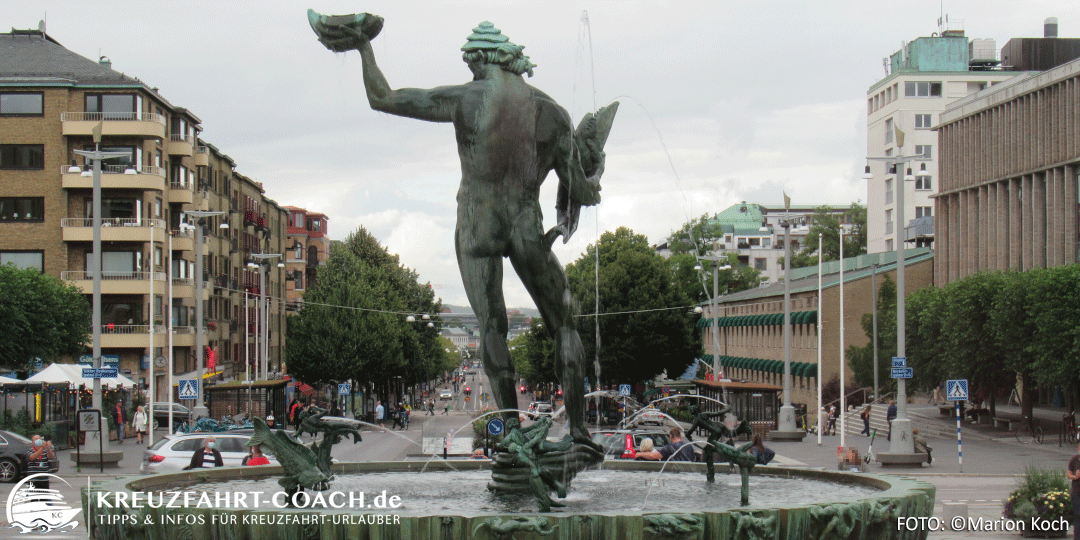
x=72 y=374
x=9 y=380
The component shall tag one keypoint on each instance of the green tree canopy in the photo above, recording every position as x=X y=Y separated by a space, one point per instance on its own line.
x=353 y=323
x=827 y=225
x=642 y=335
x=42 y=317
x=534 y=354
x=698 y=236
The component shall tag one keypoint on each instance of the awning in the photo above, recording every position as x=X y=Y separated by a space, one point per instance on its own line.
x=191 y=375
x=707 y=358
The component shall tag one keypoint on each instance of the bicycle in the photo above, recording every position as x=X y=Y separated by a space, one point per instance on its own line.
x=1027 y=433
x=1069 y=433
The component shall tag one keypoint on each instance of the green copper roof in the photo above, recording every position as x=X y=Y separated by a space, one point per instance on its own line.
x=741 y=216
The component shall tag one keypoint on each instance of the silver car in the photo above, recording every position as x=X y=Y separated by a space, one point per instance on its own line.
x=174 y=452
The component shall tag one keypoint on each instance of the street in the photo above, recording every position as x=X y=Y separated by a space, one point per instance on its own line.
x=989 y=463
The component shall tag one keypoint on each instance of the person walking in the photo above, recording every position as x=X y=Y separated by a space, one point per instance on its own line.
x=139 y=423
x=431 y=407
x=833 y=415
x=380 y=416
x=890 y=415
x=866 y=421
x=121 y=419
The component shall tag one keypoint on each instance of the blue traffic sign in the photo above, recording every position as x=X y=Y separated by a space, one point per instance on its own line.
x=188 y=389
x=899 y=361
x=100 y=373
x=903 y=373
x=495 y=427
x=624 y=389
x=956 y=390
x=344 y=388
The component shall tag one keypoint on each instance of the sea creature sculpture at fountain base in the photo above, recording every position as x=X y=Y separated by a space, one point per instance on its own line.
x=527 y=462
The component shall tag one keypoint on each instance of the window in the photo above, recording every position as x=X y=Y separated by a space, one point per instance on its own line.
x=122 y=163
x=157 y=256
x=888 y=222
x=157 y=208
x=112 y=106
x=924 y=150
x=888 y=191
x=761 y=264
x=20 y=104
x=923 y=211
x=889 y=246
x=922 y=89
x=115 y=208
x=924 y=182
x=922 y=121
x=22 y=156
x=888 y=130
x=24 y=259
x=22 y=209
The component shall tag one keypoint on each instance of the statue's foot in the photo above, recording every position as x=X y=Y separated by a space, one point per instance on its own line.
x=580 y=435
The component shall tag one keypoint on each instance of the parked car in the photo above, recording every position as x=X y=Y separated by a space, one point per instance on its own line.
x=446 y=395
x=541 y=409
x=649 y=415
x=181 y=414
x=174 y=452
x=13 y=451
x=613 y=441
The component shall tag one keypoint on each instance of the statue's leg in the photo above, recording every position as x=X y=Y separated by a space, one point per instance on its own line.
x=545 y=280
x=745 y=473
x=482 y=277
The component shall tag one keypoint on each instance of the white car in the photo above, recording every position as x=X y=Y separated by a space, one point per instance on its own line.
x=446 y=395
x=652 y=416
x=174 y=452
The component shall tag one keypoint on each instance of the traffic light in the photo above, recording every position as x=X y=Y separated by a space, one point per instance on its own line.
x=558 y=392
x=467 y=390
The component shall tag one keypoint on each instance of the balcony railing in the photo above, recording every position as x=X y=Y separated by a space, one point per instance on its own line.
x=201 y=150
x=183 y=282
x=133 y=116
x=186 y=233
x=112 y=222
x=110 y=328
x=178 y=137
x=83 y=275
x=123 y=169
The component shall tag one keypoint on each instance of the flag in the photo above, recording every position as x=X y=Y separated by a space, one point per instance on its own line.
x=787 y=201
x=899 y=136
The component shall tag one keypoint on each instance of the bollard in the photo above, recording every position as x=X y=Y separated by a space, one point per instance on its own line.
x=954 y=510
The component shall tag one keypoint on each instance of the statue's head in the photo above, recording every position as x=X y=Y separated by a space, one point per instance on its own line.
x=488 y=45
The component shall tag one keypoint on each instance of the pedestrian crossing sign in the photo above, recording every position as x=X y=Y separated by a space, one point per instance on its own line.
x=188 y=389
x=956 y=390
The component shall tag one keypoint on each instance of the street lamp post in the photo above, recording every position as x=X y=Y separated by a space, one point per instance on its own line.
x=715 y=311
x=264 y=356
x=786 y=430
x=95 y=156
x=201 y=215
x=903 y=443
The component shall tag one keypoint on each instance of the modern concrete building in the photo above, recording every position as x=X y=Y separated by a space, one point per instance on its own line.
x=1010 y=169
x=307 y=248
x=51 y=99
x=924 y=78
x=754 y=232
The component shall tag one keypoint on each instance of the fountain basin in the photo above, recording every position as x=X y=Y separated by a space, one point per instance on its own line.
x=873 y=515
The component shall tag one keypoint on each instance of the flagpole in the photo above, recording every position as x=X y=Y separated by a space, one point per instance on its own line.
x=843 y=397
x=819 y=266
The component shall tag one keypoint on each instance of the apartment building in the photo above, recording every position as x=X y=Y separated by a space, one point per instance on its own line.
x=755 y=233
x=924 y=78
x=1010 y=173
x=51 y=100
x=308 y=246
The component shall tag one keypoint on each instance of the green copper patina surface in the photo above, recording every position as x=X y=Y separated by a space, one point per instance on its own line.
x=510 y=136
x=305 y=467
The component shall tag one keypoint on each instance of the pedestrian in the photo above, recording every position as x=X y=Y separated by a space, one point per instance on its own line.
x=206 y=456
x=1074 y=490
x=270 y=422
x=380 y=416
x=121 y=418
x=139 y=423
x=866 y=420
x=920 y=445
x=256 y=457
x=294 y=413
x=446 y=410
x=676 y=450
x=399 y=415
x=890 y=415
x=833 y=415
x=37 y=460
x=431 y=407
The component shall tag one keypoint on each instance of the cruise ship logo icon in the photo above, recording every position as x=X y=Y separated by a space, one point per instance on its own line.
x=34 y=509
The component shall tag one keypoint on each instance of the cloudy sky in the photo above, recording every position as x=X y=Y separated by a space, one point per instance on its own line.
x=721 y=101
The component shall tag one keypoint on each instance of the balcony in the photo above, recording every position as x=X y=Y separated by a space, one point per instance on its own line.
x=138 y=124
x=118 y=177
x=131 y=336
x=181 y=192
x=183 y=336
x=116 y=282
x=202 y=156
x=112 y=229
x=180 y=145
x=185 y=288
x=183 y=240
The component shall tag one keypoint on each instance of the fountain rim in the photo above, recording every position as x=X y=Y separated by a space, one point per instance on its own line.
x=890 y=486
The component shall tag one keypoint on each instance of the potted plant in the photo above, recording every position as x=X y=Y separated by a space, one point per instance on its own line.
x=1040 y=502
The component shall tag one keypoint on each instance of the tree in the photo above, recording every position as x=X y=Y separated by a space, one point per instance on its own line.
x=698 y=286
x=352 y=324
x=42 y=317
x=698 y=236
x=643 y=336
x=861 y=359
x=534 y=354
x=827 y=225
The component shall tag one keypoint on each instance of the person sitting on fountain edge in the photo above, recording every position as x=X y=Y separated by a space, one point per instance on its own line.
x=207 y=456
x=677 y=450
